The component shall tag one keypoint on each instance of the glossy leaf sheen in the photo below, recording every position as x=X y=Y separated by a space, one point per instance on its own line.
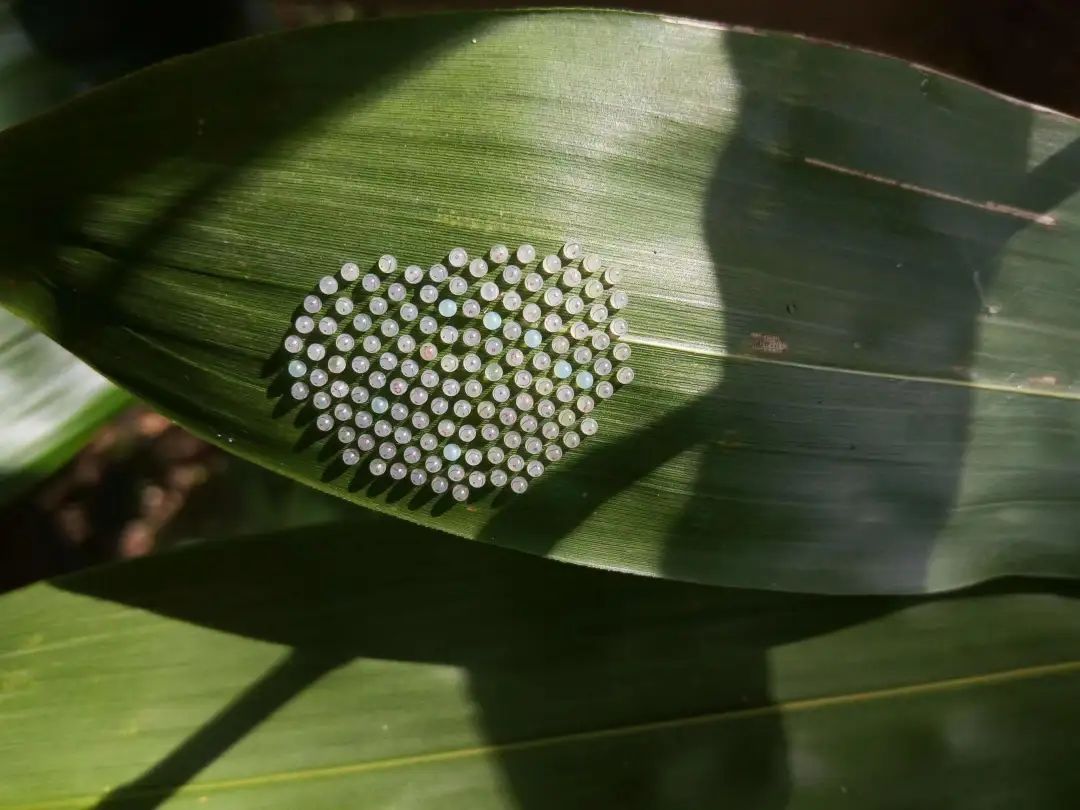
x=381 y=666
x=853 y=309
x=50 y=404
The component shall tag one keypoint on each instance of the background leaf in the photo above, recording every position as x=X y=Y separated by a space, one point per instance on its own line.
x=50 y=405
x=50 y=402
x=29 y=81
x=853 y=310
x=381 y=666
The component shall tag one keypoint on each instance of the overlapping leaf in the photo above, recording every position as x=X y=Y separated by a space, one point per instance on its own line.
x=382 y=666
x=49 y=401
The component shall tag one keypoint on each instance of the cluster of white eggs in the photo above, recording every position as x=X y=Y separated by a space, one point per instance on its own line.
x=476 y=372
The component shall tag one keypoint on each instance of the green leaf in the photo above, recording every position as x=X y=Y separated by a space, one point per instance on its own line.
x=50 y=405
x=50 y=402
x=380 y=666
x=29 y=81
x=853 y=282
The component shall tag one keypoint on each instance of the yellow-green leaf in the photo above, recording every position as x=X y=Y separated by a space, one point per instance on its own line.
x=383 y=666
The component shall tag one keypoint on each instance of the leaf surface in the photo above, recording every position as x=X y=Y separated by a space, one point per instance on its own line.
x=379 y=665
x=852 y=281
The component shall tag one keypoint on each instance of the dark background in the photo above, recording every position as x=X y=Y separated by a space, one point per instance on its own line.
x=1025 y=48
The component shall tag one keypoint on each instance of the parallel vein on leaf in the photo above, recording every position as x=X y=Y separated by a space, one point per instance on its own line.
x=998 y=678
x=709 y=351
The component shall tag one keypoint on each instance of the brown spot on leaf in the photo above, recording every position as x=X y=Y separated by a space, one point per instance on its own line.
x=767 y=344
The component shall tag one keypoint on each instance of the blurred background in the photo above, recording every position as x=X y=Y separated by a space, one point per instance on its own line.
x=88 y=476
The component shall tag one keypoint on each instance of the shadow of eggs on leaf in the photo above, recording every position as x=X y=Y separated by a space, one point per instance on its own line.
x=472 y=376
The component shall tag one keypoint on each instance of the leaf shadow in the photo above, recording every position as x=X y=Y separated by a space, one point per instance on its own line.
x=54 y=198
x=504 y=618
x=269 y=693
x=544 y=644
x=549 y=650
x=852 y=473
x=857 y=471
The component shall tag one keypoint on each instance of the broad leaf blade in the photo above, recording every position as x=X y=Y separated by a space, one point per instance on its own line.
x=382 y=666
x=852 y=310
